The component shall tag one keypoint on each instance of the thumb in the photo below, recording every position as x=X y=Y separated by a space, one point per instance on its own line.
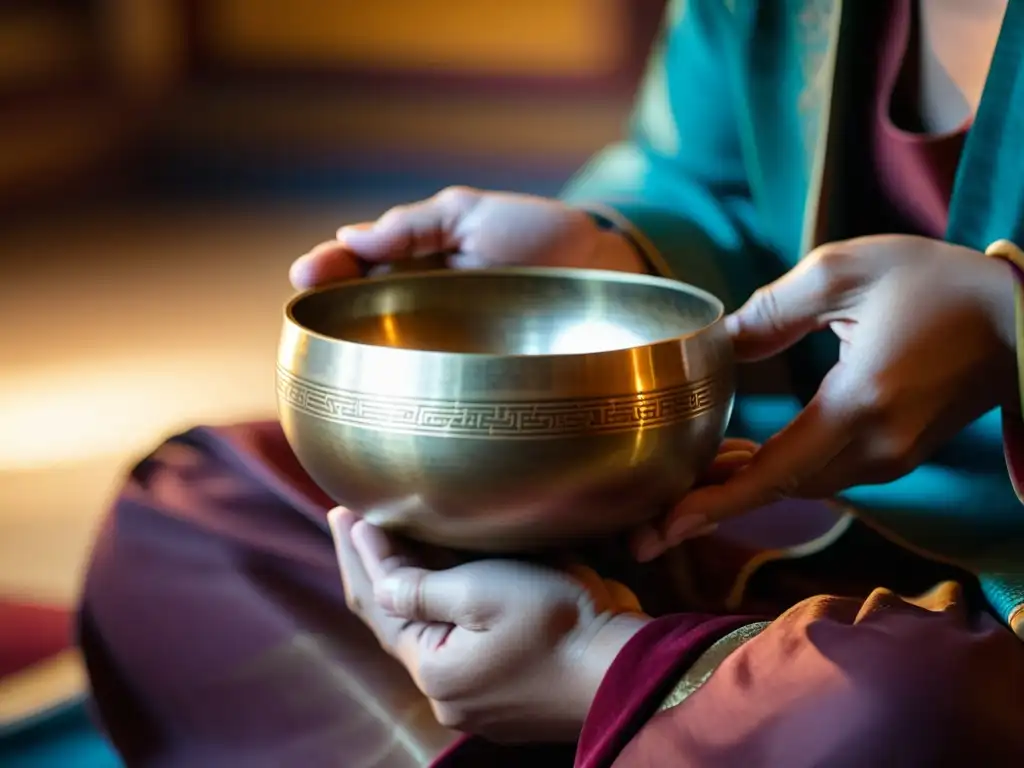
x=416 y=594
x=412 y=231
x=781 y=313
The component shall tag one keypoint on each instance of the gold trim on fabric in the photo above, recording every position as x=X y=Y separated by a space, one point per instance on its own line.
x=709 y=661
x=734 y=599
x=1008 y=251
x=1011 y=252
x=1016 y=621
x=1015 y=618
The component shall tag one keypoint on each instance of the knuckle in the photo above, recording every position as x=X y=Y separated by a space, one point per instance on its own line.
x=865 y=401
x=407 y=597
x=837 y=270
x=830 y=258
x=765 y=306
x=457 y=196
x=872 y=400
x=786 y=487
x=891 y=455
x=393 y=214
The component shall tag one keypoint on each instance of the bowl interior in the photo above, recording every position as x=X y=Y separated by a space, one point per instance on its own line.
x=507 y=312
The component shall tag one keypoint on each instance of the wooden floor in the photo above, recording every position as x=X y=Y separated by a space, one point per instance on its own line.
x=119 y=327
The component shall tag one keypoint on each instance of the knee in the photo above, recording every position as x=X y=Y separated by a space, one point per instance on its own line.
x=919 y=690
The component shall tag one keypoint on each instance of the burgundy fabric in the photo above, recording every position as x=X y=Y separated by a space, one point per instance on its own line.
x=213 y=622
x=849 y=683
x=215 y=632
x=642 y=676
x=31 y=633
x=915 y=169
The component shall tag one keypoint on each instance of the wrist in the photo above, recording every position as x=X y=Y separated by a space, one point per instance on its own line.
x=614 y=249
x=592 y=657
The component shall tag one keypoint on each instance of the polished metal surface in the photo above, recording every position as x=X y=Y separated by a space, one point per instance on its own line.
x=505 y=409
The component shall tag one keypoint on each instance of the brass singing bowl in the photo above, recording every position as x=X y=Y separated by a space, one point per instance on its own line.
x=505 y=409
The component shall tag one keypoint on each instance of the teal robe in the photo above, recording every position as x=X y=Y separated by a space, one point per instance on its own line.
x=730 y=176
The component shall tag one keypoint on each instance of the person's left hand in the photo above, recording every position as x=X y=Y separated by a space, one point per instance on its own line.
x=927 y=345
x=502 y=649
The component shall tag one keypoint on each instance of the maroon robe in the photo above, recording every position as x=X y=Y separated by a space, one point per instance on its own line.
x=215 y=632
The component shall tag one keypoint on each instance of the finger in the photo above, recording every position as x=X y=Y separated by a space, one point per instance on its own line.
x=451 y=597
x=783 y=312
x=412 y=231
x=725 y=466
x=358 y=587
x=784 y=467
x=835 y=477
x=648 y=541
x=874 y=458
x=379 y=552
x=734 y=444
x=356 y=582
x=326 y=263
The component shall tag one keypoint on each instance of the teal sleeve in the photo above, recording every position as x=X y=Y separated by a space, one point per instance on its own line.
x=679 y=181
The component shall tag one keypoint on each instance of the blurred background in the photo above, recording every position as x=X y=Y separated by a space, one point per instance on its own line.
x=163 y=161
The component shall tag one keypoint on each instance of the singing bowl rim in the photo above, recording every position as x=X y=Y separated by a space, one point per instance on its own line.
x=603 y=275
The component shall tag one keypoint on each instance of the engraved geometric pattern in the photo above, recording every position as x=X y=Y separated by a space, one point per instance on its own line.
x=517 y=419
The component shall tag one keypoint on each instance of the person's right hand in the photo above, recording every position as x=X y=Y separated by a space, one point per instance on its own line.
x=472 y=229
x=504 y=649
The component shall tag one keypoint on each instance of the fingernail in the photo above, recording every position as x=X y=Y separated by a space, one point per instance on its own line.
x=707 y=530
x=648 y=547
x=337 y=517
x=299 y=268
x=687 y=528
x=367 y=539
x=735 y=456
x=732 y=324
x=353 y=230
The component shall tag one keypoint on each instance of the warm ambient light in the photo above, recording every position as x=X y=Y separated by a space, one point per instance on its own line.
x=92 y=408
